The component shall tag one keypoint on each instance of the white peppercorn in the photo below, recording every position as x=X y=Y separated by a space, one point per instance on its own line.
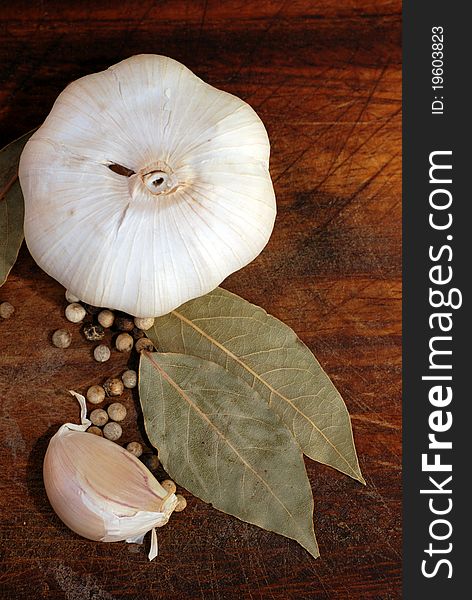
x=116 y=411
x=144 y=344
x=95 y=430
x=113 y=386
x=6 y=310
x=70 y=297
x=112 y=431
x=144 y=323
x=106 y=318
x=129 y=379
x=169 y=486
x=101 y=353
x=75 y=312
x=181 y=503
x=124 y=342
x=135 y=448
x=61 y=338
x=99 y=417
x=96 y=394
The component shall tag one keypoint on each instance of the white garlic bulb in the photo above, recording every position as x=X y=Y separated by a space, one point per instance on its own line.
x=100 y=490
x=145 y=187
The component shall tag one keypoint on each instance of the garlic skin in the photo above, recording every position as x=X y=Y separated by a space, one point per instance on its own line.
x=100 y=490
x=146 y=187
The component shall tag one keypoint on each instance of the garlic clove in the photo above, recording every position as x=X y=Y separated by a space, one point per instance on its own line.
x=145 y=187
x=100 y=490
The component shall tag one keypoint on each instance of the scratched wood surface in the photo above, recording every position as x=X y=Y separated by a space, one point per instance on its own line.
x=325 y=78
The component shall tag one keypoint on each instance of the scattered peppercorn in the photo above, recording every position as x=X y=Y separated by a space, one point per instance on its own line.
x=106 y=318
x=61 y=338
x=135 y=448
x=137 y=333
x=116 y=411
x=99 y=417
x=101 y=353
x=169 y=486
x=6 y=310
x=129 y=379
x=96 y=394
x=93 y=332
x=144 y=323
x=75 y=312
x=124 y=323
x=181 y=503
x=151 y=461
x=112 y=431
x=113 y=386
x=70 y=297
x=95 y=430
x=144 y=344
x=124 y=342
x=92 y=310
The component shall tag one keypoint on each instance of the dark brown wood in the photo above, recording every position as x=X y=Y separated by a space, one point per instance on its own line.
x=325 y=78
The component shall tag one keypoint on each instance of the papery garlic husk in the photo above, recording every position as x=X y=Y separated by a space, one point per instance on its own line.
x=145 y=187
x=100 y=490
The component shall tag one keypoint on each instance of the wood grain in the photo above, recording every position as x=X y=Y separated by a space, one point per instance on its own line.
x=325 y=78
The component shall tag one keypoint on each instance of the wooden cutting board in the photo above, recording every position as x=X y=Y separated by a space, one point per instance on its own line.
x=325 y=77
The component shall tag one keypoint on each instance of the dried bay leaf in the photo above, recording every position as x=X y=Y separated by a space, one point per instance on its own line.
x=268 y=355
x=218 y=438
x=11 y=205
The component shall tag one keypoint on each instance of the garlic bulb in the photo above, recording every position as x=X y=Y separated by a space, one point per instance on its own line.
x=100 y=490
x=145 y=187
